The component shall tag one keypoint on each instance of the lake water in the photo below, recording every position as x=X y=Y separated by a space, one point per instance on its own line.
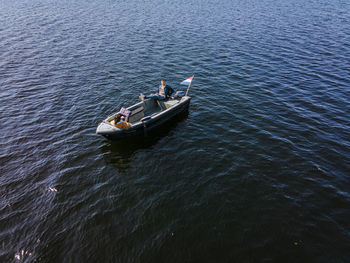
x=258 y=170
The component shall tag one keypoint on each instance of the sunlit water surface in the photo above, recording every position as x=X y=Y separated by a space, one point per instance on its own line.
x=256 y=171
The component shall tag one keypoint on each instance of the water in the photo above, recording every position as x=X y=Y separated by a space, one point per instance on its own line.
x=256 y=171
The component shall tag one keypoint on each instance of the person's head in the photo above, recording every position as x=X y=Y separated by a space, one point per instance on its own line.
x=163 y=82
x=117 y=118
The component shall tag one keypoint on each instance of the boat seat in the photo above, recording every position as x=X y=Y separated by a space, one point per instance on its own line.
x=137 y=110
x=136 y=114
x=170 y=103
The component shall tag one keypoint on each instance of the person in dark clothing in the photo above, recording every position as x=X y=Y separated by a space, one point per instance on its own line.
x=164 y=92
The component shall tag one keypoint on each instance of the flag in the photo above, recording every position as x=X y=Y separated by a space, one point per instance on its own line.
x=187 y=81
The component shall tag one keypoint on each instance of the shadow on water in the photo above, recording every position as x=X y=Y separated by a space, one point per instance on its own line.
x=120 y=153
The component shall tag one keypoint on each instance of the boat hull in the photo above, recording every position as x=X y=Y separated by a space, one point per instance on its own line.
x=112 y=133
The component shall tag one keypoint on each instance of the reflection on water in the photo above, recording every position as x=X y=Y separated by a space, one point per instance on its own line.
x=119 y=153
x=258 y=171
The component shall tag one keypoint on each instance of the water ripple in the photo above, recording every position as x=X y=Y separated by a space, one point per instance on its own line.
x=258 y=170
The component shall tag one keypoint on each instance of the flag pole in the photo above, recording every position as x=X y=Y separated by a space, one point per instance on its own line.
x=189 y=85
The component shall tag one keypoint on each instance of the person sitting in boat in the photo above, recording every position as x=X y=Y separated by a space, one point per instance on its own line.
x=164 y=92
x=119 y=122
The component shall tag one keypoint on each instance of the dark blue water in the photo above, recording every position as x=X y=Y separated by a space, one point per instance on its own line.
x=258 y=170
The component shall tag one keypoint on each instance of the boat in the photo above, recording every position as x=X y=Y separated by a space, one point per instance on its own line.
x=144 y=116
